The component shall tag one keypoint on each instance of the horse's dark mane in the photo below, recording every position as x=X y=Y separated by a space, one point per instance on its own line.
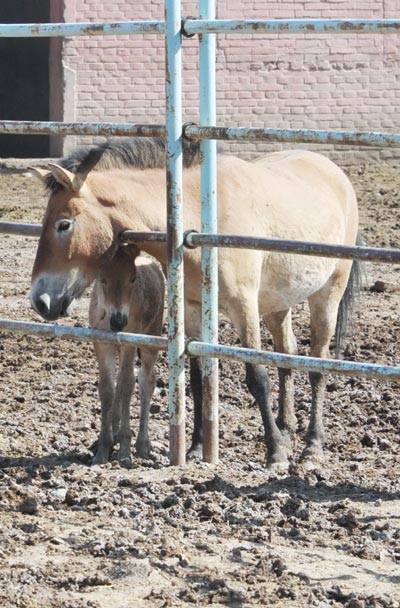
x=141 y=153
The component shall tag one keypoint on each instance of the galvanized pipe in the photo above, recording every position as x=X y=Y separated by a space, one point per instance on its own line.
x=194 y=239
x=108 y=129
x=49 y=30
x=20 y=229
x=176 y=331
x=311 y=136
x=136 y=236
x=347 y=252
x=304 y=364
x=209 y=223
x=291 y=26
x=82 y=334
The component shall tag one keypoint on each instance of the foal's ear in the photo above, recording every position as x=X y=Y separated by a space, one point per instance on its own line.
x=41 y=174
x=65 y=178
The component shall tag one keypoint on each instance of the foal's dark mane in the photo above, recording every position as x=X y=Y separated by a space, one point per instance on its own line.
x=141 y=153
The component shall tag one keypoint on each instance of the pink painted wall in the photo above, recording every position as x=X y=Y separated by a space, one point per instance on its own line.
x=315 y=81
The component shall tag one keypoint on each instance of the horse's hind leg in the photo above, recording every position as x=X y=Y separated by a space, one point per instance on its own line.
x=123 y=395
x=192 y=328
x=106 y=359
x=280 y=326
x=147 y=383
x=246 y=319
x=323 y=309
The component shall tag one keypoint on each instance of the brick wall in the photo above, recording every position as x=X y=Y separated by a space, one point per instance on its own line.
x=312 y=81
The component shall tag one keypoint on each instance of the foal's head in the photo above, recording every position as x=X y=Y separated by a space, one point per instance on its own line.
x=116 y=279
x=76 y=233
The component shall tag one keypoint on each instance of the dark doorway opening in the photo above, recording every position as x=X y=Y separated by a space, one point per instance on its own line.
x=24 y=77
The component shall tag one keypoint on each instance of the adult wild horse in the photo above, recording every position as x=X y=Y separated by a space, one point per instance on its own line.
x=97 y=193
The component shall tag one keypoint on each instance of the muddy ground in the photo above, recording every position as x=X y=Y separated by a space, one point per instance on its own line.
x=74 y=535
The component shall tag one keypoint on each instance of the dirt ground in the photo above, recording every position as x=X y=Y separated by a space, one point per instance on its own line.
x=74 y=535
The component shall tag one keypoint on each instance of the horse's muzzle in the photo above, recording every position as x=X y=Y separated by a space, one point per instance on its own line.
x=51 y=310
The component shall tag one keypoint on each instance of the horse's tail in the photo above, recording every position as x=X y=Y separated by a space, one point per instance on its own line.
x=346 y=305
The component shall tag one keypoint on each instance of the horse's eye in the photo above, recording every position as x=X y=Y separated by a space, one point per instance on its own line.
x=63 y=225
x=133 y=279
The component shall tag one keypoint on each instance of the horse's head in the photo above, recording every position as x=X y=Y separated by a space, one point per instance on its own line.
x=116 y=280
x=76 y=233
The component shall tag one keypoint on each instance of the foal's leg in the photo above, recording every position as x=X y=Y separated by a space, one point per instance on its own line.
x=280 y=326
x=106 y=359
x=147 y=383
x=323 y=308
x=246 y=319
x=123 y=395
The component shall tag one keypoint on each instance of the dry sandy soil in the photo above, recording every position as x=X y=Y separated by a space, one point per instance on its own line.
x=74 y=535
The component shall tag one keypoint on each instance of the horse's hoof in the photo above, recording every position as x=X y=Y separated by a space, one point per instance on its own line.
x=100 y=458
x=143 y=451
x=277 y=463
x=277 y=468
x=195 y=452
x=125 y=462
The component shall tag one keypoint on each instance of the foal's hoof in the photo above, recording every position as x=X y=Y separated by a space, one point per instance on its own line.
x=312 y=457
x=277 y=463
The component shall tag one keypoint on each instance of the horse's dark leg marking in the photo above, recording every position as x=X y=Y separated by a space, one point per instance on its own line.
x=286 y=419
x=280 y=326
x=315 y=433
x=258 y=384
x=196 y=448
x=323 y=309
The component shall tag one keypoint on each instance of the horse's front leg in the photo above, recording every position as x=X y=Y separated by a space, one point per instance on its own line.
x=123 y=395
x=105 y=355
x=245 y=317
x=147 y=384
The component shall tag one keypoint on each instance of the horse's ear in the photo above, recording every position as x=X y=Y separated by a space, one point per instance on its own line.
x=41 y=174
x=65 y=178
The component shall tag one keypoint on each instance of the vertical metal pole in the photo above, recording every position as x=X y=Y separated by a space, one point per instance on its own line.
x=176 y=333
x=209 y=224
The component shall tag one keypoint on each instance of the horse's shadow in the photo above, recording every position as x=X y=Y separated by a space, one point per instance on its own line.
x=293 y=484
x=296 y=485
x=49 y=462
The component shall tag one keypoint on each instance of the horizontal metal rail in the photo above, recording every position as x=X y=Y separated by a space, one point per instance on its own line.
x=359 y=138
x=136 y=236
x=50 y=30
x=369 y=254
x=299 y=363
x=195 y=239
x=83 y=334
x=200 y=26
x=20 y=229
x=22 y=127
x=194 y=132
x=291 y=26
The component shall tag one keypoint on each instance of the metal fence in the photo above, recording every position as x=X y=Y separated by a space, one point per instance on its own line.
x=173 y=29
